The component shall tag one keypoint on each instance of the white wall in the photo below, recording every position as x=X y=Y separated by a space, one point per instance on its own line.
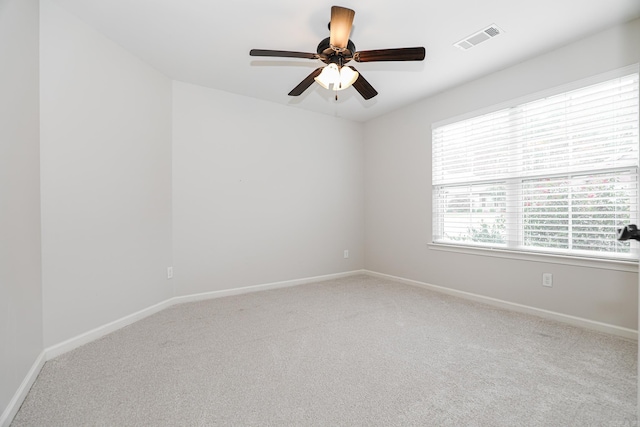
x=398 y=196
x=20 y=273
x=106 y=179
x=262 y=193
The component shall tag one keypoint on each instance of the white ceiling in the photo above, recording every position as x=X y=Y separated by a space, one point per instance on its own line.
x=207 y=42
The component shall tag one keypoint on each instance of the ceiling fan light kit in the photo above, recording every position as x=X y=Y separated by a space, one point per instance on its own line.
x=340 y=79
x=336 y=51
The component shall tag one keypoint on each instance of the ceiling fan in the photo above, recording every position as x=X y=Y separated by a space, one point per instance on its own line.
x=336 y=51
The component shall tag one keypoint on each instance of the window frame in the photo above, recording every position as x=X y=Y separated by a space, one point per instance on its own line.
x=519 y=251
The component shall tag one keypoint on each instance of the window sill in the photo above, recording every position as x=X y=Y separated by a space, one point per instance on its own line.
x=599 y=263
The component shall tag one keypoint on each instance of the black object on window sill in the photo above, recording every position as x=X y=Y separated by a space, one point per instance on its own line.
x=628 y=232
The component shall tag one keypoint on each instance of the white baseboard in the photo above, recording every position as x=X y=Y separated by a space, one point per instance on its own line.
x=14 y=405
x=101 y=331
x=263 y=287
x=564 y=318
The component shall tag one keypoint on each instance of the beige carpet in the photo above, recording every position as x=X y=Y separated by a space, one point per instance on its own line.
x=348 y=352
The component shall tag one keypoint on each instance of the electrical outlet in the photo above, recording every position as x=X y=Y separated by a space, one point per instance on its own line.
x=169 y=272
x=346 y=253
x=547 y=279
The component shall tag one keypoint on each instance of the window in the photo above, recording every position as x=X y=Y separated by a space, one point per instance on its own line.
x=555 y=175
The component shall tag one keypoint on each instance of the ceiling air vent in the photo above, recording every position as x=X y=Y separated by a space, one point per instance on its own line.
x=479 y=37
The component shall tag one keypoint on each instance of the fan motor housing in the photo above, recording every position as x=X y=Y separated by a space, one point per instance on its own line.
x=329 y=55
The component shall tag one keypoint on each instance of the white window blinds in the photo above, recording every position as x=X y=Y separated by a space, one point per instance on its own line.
x=557 y=174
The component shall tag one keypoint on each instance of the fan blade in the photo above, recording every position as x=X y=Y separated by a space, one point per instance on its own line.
x=340 y=26
x=400 y=54
x=282 y=53
x=304 y=85
x=363 y=87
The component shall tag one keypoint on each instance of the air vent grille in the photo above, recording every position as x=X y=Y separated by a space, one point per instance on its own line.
x=479 y=37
